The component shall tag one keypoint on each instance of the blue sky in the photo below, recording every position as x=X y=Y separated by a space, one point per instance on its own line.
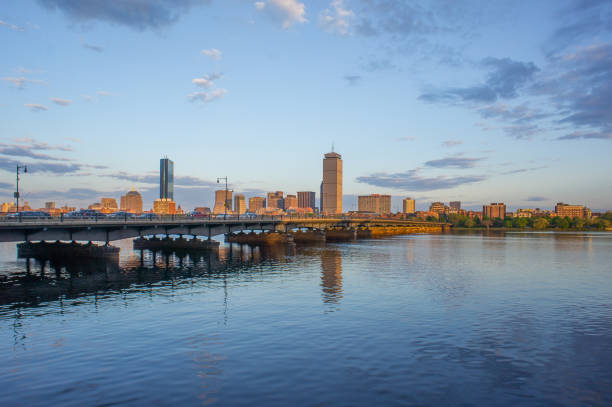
x=438 y=100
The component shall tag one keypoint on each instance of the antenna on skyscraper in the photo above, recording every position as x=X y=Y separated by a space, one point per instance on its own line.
x=332 y=147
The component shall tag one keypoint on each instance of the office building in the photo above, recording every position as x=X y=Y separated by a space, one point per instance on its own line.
x=131 y=202
x=456 y=205
x=437 y=207
x=275 y=200
x=49 y=205
x=240 y=206
x=306 y=199
x=379 y=204
x=494 y=211
x=331 y=189
x=223 y=202
x=166 y=179
x=291 y=203
x=257 y=204
x=163 y=206
x=408 y=206
x=572 y=211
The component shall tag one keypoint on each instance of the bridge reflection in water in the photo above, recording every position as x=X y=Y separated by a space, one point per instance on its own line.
x=49 y=279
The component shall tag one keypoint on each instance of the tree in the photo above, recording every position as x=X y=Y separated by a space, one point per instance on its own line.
x=508 y=223
x=540 y=223
x=469 y=223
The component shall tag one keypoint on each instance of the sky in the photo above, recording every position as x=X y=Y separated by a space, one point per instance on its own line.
x=476 y=101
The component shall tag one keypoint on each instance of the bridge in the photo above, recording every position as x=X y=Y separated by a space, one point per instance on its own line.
x=109 y=229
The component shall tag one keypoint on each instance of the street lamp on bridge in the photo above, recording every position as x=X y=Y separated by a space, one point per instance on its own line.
x=16 y=194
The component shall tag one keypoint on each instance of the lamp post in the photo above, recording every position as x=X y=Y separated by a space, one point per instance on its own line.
x=224 y=200
x=16 y=194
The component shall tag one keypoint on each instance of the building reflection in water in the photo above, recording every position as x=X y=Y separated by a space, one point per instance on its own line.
x=331 y=275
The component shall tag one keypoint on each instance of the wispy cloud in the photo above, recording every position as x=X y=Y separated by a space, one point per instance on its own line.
x=406 y=138
x=212 y=53
x=337 y=17
x=586 y=136
x=61 y=102
x=104 y=93
x=352 y=80
x=503 y=81
x=137 y=14
x=287 y=12
x=207 y=81
x=35 y=107
x=91 y=47
x=21 y=81
x=11 y=26
x=412 y=181
x=207 y=97
x=537 y=199
x=454 y=162
x=522 y=170
x=452 y=143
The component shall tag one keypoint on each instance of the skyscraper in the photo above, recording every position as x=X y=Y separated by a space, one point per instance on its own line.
x=455 y=205
x=275 y=200
x=166 y=179
x=494 y=211
x=131 y=202
x=239 y=204
x=290 y=202
x=408 y=204
x=306 y=199
x=257 y=204
x=331 y=195
x=223 y=202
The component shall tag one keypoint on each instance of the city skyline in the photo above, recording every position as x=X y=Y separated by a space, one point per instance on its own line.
x=431 y=115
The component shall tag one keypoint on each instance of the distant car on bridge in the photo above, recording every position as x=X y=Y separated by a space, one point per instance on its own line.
x=30 y=215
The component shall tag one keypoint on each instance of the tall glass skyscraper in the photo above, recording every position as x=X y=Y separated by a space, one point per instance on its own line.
x=166 y=179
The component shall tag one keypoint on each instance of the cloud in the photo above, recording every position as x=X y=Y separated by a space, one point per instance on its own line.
x=517 y=114
x=21 y=81
x=25 y=151
x=35 y=107
x=213 y=53
x=207 y=81
x=580 y=20
x=375 y=65
x=104 y=93
x=522 y=170
x=87 y=98
x=352 y=79
x=396 y=18
x=44 y=167
x=207 y=97
x=336 y=18
x=91 y=47
x=537 y=199
x=61 y=102
x=184 y=181
x=452 y=143
x=37 y=145
x=454 y=162
x=412 y=181
x=406 y=138
x=522 y=131
x=136 y=14
x=5 y=185
x=11 y=26
x=288 y=12
x=586 y=136
x=504 y=79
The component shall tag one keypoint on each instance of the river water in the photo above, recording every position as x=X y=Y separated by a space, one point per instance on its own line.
x=452 y=319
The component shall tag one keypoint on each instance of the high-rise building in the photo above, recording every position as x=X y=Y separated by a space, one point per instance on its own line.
x=166 y=179
x=380 y=204
x=291 y=202
x=573 y=211
x=437 y=207
x=239 y=204
x=275 y=200
x=494 y=210
x=223 y=201
x=456 y=205
x=408 y=205
x=49 y=205
x=109 y=204
x=131 y=202
x=331 y=194
x=306 y=199
x=257 y=204
x=163 y=206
